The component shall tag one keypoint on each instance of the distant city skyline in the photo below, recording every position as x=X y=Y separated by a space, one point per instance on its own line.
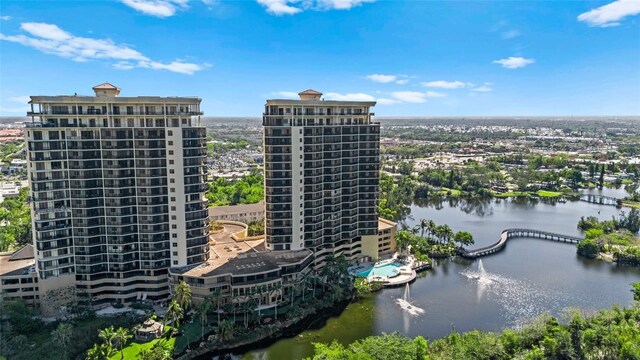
x=429 y=58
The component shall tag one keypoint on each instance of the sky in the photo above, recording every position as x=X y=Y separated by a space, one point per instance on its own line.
x=415 y=58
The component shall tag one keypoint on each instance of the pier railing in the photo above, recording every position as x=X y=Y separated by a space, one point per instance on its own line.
x=514 y=233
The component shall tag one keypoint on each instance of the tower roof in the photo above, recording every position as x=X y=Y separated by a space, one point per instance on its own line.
x=310 y=92
x=105 y=86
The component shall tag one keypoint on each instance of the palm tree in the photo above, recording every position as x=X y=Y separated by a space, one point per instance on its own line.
x=159 y=351
x=100 y=352
x=216 y=295
x=431 y=226
x=225 y=330
x=246 y=307
x=183 y=294
x=447 y=233
x=202 y=309
x=122 y=335
x=424 y=224
x=276 y=288
x=108 y=335
x=174 y=313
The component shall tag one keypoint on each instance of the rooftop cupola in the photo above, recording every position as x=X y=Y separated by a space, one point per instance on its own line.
x=310 y=94
x=106 y=89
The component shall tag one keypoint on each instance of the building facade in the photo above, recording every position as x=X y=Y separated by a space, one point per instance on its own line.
x=322 y=162
x=118 y=189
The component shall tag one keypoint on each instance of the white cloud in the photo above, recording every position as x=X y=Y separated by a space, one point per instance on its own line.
x=414 y=97
x=435 y=94
x=442 y=84
x=50 y=39
x=349 y=97
x=514 y=62
x=279 y=7
x=510 y=34
x=482 y=88
x=5 y=17
x=291 y=7
x=340 y=4
x=385 y=79
x=19 y=99
x=385 y=101
x=380 y=78
x=158 y=8
x=610 y=14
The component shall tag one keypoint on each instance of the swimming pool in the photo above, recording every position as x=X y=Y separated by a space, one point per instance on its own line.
x=384 y=270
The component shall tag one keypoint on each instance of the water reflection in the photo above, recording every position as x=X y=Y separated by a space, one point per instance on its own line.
x=529 y=277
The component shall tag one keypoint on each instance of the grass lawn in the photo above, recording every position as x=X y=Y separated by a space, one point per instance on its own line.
x=445 y=191
x=548 y=194
x=135 y=347
x=511 y=194
x=631 y=204
x=189 y=332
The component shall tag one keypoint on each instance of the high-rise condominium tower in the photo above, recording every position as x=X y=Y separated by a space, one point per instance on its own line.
x=321 y=176
x=117 y=192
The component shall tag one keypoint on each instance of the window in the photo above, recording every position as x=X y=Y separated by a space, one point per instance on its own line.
x=173 y=208
x=170 y=152
x=172 y=180
x=173 y=217
x=170 y=133
x=174 y=226
x=175 y=244
x=170 y=143
x=170 y=162
x=174 y=236
x=171 y=171
x=175 y=253
x=175 y=262
x=173 y=198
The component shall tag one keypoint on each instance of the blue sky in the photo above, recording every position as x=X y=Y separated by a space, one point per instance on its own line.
x=418 y=58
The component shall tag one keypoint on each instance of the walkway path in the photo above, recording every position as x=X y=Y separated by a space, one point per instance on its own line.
x=513 y=233
x=600 y=199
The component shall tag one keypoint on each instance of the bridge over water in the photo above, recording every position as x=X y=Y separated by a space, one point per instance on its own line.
x=515 y=233
x=600 y=199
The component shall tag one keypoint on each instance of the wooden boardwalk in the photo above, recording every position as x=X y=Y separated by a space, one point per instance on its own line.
x=515 y=233
x=600 y=199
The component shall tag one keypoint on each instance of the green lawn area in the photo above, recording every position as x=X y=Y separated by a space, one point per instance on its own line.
x=135 y=347
x=540 y=193
x=511 y=194
x=631 y=204
x=548 y=194
x=445 y=191
x=189 y=332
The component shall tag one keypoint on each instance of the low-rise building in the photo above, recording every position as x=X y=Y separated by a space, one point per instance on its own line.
x=242 y=269
x=244 y=213
x=18 y=276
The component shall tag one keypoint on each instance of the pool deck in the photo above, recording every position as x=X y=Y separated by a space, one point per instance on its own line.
x=407 y=271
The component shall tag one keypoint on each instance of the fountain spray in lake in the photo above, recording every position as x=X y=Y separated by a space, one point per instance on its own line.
x=406 y=305
x=520 y=299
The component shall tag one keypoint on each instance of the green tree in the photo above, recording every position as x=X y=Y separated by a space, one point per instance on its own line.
x=183 y=294
x=121 y=337
x=61 y=338
x=100 y=352
x=108 y=336
x=174 y=313
x=225 y=330
x=463 y=238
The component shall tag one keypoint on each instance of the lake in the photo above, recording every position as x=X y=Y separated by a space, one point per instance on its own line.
x=527 y=278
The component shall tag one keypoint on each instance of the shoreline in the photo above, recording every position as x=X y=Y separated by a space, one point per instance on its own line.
x=311 y=321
